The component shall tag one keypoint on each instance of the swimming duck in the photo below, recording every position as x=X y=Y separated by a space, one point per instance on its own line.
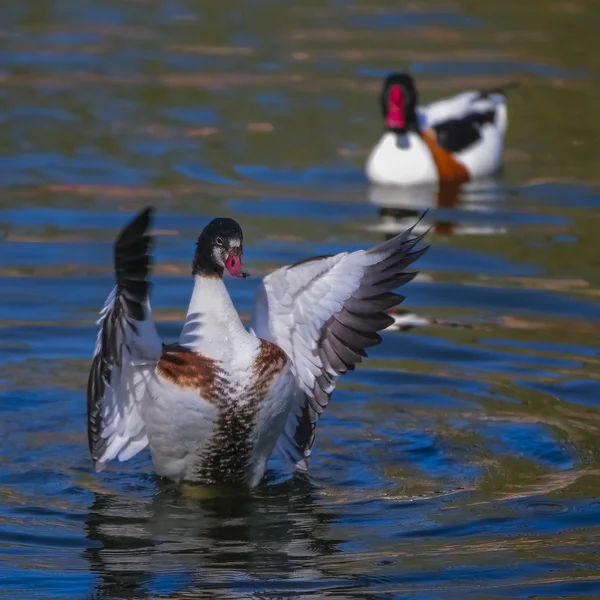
x=213 y=406
x=452 y=140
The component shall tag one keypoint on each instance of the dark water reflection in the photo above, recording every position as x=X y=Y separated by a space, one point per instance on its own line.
x=463 y=459
x=228 y=540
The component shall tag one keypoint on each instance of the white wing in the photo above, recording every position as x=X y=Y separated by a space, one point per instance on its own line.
x=127 y=349
x=323 y=313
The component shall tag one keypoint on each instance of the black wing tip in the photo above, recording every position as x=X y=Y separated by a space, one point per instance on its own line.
x=132 y=249
x=138 y=225
x=422 y=216
x=404 y=238
x=145 y=215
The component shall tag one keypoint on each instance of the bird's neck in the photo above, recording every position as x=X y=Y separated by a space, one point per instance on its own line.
x=212 y=320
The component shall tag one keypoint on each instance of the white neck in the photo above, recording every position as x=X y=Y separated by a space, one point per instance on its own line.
x=212 y=325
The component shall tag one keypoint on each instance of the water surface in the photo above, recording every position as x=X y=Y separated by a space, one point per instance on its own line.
x=463 y=459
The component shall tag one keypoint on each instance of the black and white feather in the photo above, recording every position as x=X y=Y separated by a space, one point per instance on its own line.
x=127 y=349
x=460 y=121
x=324 y=313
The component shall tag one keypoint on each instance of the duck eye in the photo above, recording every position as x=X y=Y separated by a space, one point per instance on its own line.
x=219 y=241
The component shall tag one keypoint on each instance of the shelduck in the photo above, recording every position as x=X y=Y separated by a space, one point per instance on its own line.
x=456 y=139
x=213 y=406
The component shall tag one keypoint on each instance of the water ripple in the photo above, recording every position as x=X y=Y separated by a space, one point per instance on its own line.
x=462 y=459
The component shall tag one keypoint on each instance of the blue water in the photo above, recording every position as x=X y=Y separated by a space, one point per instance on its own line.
x=461 y=460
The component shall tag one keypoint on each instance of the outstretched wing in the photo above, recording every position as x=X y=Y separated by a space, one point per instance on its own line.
x=127 y=348
x=323 y=313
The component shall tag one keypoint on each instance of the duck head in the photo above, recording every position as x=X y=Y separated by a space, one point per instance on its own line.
x=399 y=99
x=220 y=246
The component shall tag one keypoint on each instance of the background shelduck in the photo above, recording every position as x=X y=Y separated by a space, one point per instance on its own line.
x=452 y=140
x=213 y=406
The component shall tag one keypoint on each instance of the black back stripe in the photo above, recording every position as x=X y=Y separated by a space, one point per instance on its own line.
x=457 y=135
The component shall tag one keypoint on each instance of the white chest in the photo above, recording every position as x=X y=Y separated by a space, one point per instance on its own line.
x=401 y=160
x=213 y=327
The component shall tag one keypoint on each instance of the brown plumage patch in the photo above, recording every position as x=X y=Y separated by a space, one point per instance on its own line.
x=448 y=167
x=189 y=369
x=269 y=363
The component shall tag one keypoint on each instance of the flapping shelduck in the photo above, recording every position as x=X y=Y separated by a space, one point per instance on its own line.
x=213 y=406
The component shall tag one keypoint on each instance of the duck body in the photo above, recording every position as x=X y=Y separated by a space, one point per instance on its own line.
x=213 y=406
x=219 y=396
x=456 y=139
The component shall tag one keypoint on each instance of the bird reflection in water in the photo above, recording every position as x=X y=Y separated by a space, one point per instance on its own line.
x=461 y=207
x=204 y=538
x=452 y=202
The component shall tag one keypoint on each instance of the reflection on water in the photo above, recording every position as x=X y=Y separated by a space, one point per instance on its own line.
x=227 y=539
x=462 y=460
x=400 y=206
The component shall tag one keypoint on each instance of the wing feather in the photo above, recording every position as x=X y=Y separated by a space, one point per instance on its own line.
x=127 y=348
x=324 y=313
x=460 y=122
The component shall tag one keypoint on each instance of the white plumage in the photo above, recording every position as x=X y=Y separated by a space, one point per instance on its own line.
x=213 y=406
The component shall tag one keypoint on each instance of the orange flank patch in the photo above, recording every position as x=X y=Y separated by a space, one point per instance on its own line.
x=448 y=167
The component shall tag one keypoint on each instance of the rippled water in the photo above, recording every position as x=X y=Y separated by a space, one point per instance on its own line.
x=463 y=459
